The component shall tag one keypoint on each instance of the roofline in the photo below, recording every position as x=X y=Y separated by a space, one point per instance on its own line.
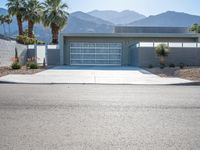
x=131 y=35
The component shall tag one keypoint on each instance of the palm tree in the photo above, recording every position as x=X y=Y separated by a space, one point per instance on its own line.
x=8 y=20
x=33 y=14
x=162 y=50
x=2 y=21
x=16 y=8
x=55 y=17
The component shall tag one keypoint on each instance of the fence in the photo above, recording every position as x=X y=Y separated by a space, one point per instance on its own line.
x=170 y=44
x=49 y=53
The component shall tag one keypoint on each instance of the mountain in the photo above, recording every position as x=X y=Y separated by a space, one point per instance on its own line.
x=169 y=19
x=3 y=11
x=117 y=18
x=89 y=18
x=78 y=22
x=103 y=22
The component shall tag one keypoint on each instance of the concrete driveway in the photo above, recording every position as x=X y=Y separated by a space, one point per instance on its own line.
x=93 y=75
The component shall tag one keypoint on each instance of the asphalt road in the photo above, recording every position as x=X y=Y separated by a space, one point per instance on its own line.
x=103 y=117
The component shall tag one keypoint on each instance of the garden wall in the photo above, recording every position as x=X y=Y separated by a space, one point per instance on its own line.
x=7 y=52
x=146 y=56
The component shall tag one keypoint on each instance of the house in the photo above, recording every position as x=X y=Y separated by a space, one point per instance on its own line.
x=129 y=46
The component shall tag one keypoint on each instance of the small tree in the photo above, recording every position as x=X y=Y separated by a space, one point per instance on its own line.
x=195 y=28
x=16 y=55
x=162 y=50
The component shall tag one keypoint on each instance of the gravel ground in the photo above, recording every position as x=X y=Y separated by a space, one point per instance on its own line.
x=7 y=70
x=190 y=73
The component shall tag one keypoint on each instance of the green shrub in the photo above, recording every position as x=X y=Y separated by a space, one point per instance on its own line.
x=172 y=66
x=23 y=39
x=33 y=66
x=162 y=66
x=40 y=42
x=16 y=66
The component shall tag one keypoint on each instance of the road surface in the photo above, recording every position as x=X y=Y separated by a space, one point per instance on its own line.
x=103 y=117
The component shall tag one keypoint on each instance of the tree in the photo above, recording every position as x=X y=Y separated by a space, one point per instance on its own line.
x=162 y=50
x=2 y=21
x=16 y=8
x=8 y=20
x=195 y=28
x=55 y=17
x=32 y=14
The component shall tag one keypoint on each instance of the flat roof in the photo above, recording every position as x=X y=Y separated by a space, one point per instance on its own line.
x=131 y=35
x=150 y=29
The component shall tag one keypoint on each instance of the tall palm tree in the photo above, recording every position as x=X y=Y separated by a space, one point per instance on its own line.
x=2 y=21
x=16 y=8
x=55 y=17
x=33 y=14
x=8 y=20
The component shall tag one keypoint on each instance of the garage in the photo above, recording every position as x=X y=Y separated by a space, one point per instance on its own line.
x=82 y=53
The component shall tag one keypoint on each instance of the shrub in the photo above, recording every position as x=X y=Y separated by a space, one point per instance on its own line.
x=162 y=51
x=32 y=63
x=162 y=66
x=150 y=66
x=33 y=66
x=23 y=39
x=182 y=65
x=15 y=66
x=172 y=66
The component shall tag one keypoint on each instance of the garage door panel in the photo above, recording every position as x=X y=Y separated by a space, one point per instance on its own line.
x=88 y=56
x=89 y=62
x=76 y=62
x=103 y=62
x=99 y=51
x=76 y=56
x=114 y=62
x=95 y=53
x=88 y=51
x=115 y=56
x=102 y=56
x=115 y=51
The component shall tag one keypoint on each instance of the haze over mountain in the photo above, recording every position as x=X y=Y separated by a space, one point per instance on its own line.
x=169 y=18
x=117 y=18
x=80 y=22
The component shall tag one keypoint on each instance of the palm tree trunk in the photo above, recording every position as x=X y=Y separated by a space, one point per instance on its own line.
x=162 y=60
x=30 y=29
x=20 y=25
x=55 y=32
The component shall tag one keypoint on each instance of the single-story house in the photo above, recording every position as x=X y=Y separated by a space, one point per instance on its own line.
x=129 y=46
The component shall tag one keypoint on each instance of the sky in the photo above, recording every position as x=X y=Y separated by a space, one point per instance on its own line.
x=146 y=7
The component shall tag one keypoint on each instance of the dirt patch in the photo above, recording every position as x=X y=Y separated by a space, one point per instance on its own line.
x=7 y=70
x=190 y=73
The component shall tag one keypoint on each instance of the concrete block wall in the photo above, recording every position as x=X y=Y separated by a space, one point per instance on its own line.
x=53 y=57
x=7 y=52
x=146 y=56
x=52 y=53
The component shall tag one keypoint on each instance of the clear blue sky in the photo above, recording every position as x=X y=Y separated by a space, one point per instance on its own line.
x=146 y=7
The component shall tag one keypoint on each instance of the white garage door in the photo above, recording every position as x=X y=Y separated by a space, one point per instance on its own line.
x=95 y=53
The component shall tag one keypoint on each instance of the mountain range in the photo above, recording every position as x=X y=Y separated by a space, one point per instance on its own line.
x=104 y=21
